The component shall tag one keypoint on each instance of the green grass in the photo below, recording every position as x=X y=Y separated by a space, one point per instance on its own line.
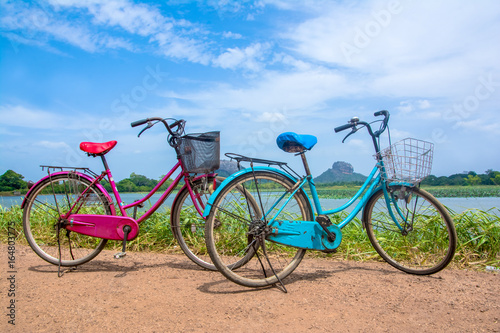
x=478 y=237
x=478 y=234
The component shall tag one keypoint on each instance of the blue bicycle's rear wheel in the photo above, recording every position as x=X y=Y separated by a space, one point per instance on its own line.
x=236 y=229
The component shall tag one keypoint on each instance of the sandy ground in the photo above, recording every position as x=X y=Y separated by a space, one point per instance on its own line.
x=151 y=292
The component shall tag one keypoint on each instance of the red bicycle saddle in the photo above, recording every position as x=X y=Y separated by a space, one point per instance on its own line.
x=97 y=148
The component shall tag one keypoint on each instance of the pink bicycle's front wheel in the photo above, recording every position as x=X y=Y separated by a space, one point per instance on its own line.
x=188 y=226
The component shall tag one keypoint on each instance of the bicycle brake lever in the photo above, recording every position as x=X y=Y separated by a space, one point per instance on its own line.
x=354 y=130
x=150 y=124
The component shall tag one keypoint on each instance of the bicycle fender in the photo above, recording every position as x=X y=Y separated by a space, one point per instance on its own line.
x=90 y=179
x=363 y=213
x=211 y=200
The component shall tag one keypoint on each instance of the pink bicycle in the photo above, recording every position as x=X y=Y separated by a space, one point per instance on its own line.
x=73 y=201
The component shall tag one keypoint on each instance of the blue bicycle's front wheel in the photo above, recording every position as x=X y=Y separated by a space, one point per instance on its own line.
x=237 y=228
x=423 y=241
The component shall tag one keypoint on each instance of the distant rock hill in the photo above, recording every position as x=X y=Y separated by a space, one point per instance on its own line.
x=227 y=168
x=341 y=172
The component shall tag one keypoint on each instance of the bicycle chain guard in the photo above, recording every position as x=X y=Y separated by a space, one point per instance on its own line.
x=101 y=226
x=304 y=234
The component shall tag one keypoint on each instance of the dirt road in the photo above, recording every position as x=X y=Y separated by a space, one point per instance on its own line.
x=151 y=292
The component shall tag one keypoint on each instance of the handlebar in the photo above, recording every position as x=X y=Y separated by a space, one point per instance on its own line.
x=139 y=122
x=343 y=127
x=178 y=124
x=386 y=115
x=354 y=122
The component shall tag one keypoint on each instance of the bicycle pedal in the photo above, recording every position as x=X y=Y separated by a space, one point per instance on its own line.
x=120 y=255
x=126 y=231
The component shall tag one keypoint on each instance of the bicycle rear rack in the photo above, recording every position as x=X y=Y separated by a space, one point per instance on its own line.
x=282 y=165
x=63 y=168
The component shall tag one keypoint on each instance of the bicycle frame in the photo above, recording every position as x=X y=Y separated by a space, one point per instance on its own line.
x=95 y=181
x=372 y=182
x=291 y=233
x=183 y=174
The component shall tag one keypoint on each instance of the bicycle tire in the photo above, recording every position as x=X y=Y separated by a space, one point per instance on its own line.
x=43 y=209
x=232 y=221
x=188 y=226
x=429 y=242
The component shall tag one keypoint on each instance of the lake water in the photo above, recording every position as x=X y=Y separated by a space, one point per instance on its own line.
x=457 y=205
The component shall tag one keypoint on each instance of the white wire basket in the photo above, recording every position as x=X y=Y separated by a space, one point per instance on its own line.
x=408 y=160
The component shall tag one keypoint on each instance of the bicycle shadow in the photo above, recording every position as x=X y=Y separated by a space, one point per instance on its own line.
x=229 y=287
x=102 y=266
x=225 y=287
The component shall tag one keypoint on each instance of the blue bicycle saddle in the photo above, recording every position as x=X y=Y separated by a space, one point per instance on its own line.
x=295 y=143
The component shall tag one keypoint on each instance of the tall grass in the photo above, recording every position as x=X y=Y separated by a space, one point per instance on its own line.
x=478 y=237
x=478 y=234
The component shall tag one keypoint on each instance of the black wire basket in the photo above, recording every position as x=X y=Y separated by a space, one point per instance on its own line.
x=200 y=152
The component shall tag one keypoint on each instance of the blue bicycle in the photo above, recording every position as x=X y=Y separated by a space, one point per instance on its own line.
x=262 y=217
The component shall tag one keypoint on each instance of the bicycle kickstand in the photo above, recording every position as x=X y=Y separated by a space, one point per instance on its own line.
x=126 y=231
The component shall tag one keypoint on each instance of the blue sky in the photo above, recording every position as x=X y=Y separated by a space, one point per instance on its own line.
x=73 y=71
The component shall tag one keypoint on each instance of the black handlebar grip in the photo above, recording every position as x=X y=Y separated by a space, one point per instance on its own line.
x=382 y=112
x=139 y=122
x=343 y=127
x=176 y=123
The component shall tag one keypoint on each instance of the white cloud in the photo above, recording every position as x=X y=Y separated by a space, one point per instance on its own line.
x=249 y=58
x=135 y=18
x=36 y=25
x=269 y=117
x=406 y=49
x=231 y=35
x=410 y=105
x=174 y=46
x=479 y=125
x=356 y=143
x=20 y=116
x=53 y=145
x=300 y=91
x=86 y=30
x=405 y=107
x=35 y=118
x=424 y=104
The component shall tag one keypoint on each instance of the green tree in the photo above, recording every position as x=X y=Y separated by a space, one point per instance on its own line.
x=496 y=179
x=168 y=182
x=126 y=185
x=140 y=180
x=11 y=180
x=473 y=179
